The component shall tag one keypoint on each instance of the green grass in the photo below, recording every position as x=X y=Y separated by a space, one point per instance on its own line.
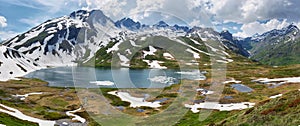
x=276 y=112
x=12 y=121
x=283 y=53
x=191 y=119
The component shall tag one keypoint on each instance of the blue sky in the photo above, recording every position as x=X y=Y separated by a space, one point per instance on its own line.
x=241 y=17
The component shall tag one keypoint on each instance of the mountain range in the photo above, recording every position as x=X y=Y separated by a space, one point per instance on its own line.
x=87 y=37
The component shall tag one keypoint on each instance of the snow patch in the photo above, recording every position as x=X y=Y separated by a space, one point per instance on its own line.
x=232 y=81
x=276 y=96
x=102 y=83
x=168 y=56
x=128 y=51
x=134 y=101
x=278 y=81
x=18 y=114
x=196 y=55
x=75 y=117
x=221 y=107
x=155 y=64
x=22 y=97
x=124 y=60
x=151 y=52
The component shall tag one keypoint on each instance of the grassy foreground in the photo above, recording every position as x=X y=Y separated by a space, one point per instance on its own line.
x=53 y=104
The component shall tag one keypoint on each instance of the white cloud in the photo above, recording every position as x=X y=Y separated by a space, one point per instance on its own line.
x=235 y=28
x=193 y=12
x=4 y=35
x=3 y=21
x=195 y=23
x=112 y=8
x=246 y=11
x=257 y=27
x=144 y=7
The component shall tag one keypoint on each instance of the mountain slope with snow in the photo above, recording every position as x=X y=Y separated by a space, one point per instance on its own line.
x=84 y=35
x=15 y=64
x=276 y=47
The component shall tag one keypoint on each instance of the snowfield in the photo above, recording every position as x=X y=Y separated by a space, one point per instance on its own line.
x=278 y=81
x=155 y=64
x=286 y=80
x=16 y=113
x=168 y=56
x=22 y=97
x=195 y=55
x=221 y=107
x=151 y=51
x=76 y=117
x=276 y=96
x=102 y=83
x=232 y=81
x=134 y=101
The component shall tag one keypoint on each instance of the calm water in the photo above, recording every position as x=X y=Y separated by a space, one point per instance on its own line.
x=120 y=78
x=241 y=88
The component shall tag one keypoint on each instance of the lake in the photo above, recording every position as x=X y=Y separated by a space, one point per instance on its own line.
x=89 y=77
x=241 y=88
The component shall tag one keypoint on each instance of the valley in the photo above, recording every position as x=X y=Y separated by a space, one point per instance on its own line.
x=86 y=69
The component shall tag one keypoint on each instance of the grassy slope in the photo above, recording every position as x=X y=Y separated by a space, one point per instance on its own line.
x=284 y=52
x=246 y=70
x=241 y=69
x=276 y=112
x=12 y=121
x=57 y=100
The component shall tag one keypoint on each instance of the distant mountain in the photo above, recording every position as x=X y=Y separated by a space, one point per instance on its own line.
x=233 y=43
x=275 y=47
x=161 y=24
x=279 y=111
x=128 y=23
x=183 y=28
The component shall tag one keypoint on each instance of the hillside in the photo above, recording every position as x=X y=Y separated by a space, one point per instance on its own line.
x=277 y=112
x=275 y=47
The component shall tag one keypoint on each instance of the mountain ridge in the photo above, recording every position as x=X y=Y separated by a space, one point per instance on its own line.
x=275 y=47
x=73 y=39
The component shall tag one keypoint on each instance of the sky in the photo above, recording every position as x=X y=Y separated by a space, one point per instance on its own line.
x=243 y=18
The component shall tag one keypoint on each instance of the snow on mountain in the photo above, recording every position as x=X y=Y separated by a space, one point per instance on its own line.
x=290 y=30
x=275 y=47
x=53 y=42
x=128 y=24
x=15 y=64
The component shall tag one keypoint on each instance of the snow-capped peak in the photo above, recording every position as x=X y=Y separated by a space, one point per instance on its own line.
x=291 y=29
x=161 y=24
x=128 y=23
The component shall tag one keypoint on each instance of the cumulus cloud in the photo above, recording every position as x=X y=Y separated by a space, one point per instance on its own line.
x=4 y=35
x=252 y=28
x=246 y=11
x=3 y=21
x=112 y=8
